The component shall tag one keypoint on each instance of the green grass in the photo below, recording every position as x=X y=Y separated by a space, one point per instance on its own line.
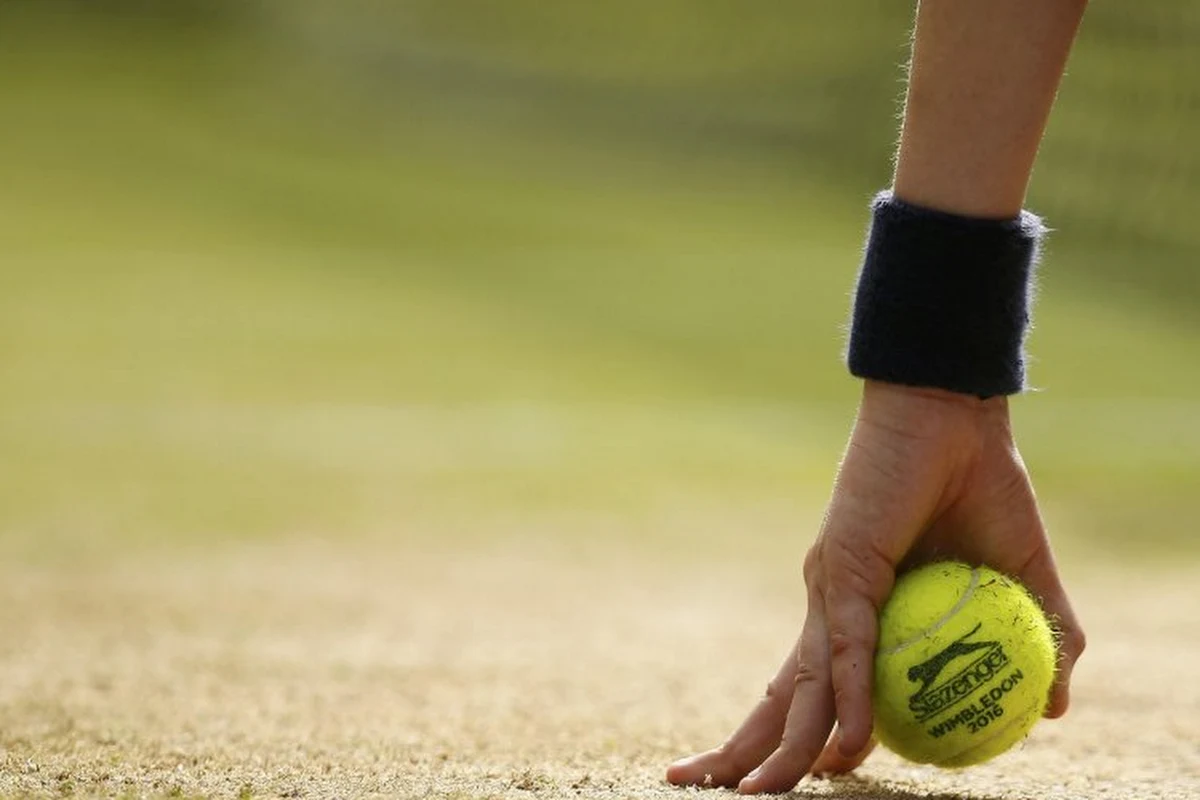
x=242 y=301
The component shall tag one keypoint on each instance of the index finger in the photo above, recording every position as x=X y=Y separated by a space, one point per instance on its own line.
x=810 y=717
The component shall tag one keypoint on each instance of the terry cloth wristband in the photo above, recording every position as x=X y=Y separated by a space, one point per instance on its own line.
x=943 y=300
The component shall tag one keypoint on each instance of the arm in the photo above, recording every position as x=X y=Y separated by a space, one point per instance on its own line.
x=927 y=471
x=981 y=84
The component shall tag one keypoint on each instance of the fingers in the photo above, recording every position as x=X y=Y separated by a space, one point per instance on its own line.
x=809 y=718
x=713 y=768
x=831 y=761
x=750 y=744
x=896 y=478
x=726 y=765
x=884 y=494
x=880 y=506
x=853 y=630
x=789 y=728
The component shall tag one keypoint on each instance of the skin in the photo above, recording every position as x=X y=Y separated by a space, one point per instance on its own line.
x=928 y=474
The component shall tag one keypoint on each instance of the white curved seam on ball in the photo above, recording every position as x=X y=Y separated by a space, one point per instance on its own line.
x=962 y=601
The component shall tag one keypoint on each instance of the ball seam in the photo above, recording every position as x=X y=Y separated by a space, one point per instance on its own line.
x=945 y=618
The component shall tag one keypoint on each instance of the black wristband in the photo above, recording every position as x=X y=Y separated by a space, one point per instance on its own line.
x=943 y=300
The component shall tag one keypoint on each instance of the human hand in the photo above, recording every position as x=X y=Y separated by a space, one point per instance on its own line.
x=927 y=475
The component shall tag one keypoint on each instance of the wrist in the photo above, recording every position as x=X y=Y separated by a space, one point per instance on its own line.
x=899 y=394
x=943 y=300
x=916 y=409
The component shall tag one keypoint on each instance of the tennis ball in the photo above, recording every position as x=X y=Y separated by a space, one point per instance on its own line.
x=963 y=666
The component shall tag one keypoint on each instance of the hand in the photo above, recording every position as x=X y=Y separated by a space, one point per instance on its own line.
x=927 y=475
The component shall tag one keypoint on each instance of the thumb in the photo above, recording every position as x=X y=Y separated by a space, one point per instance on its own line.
x=1022 y=549
x=1039 y=574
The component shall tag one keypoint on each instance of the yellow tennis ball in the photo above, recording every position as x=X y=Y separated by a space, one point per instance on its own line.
x=963 y=666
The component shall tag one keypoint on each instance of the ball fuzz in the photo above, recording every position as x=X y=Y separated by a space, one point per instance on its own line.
x=963 y=667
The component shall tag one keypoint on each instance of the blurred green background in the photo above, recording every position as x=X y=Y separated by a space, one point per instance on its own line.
x=453 y=271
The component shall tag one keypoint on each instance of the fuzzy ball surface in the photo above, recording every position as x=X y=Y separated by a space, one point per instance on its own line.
x=963 y=666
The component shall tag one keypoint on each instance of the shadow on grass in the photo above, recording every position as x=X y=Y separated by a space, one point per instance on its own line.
x=853 y=787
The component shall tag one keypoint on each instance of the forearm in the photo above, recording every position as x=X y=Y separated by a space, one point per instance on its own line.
x=982 y=82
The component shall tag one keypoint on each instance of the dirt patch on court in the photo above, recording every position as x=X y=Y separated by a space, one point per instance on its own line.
x=321 y=672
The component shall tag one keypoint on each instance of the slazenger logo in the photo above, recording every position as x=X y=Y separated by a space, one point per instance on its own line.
x=934 y=696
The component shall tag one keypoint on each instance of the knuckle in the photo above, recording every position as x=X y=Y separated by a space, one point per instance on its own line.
x=844 y=645
x=807 y=674
x=776 y=692
x=812 y=564
x=799 y=750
